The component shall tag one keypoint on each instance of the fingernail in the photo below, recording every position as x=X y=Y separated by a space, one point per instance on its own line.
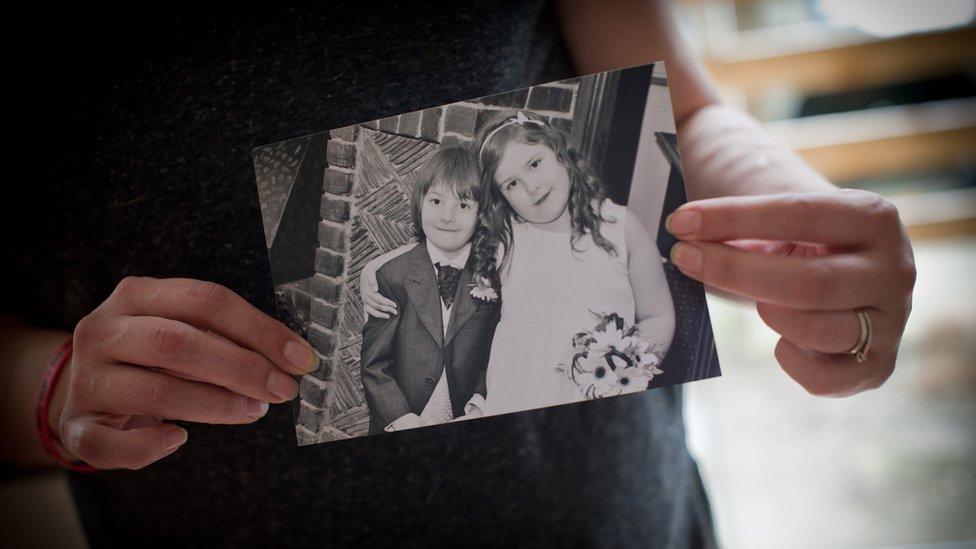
x=683 y=222
x=174 y=438
x=687 y=256
x=256 y=408
x=300 y=356
x=282 y=385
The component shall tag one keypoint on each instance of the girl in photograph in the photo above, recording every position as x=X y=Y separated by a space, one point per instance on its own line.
x=564 y=254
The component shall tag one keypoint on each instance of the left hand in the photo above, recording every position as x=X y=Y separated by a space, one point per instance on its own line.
x=809 y=261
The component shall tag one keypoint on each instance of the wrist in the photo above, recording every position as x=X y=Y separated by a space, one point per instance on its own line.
x=48 y=433
x=726 y=152
x=475 y=406
x=59 y=396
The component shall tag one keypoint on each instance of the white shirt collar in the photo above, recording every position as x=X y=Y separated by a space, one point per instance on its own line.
x=437 y=256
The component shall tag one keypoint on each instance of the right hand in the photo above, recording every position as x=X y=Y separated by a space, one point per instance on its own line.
x=374 y=304
x=170 y=349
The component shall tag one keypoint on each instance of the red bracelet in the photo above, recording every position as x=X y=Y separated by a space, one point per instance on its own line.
x=62 y=357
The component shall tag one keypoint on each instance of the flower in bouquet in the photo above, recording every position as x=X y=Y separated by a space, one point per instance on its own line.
x=611 y=359
x=594 y=377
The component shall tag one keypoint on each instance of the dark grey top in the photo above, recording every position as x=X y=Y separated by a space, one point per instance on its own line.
x=135 y=134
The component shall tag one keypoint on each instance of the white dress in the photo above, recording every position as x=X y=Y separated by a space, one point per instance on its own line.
x=549 y=294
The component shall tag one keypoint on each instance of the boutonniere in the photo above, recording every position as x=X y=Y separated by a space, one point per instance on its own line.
x=483 y=291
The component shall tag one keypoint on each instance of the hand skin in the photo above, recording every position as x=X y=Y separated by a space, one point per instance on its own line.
x=162 y=350
x=852 y=253
x=653 y=306
x=374 y=304
x=26 y=351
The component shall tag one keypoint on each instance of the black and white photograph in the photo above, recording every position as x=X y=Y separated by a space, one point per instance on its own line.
x=490 y=256
x=541 y=273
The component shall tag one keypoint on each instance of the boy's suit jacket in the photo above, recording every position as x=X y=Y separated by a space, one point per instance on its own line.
x=403 y=356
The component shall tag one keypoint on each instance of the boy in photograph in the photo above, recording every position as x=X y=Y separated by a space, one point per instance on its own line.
x=426 y=364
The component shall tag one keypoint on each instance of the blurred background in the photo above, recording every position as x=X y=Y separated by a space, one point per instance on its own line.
x=876 y=94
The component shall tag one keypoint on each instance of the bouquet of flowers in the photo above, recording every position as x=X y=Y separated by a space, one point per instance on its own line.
x=611 y=359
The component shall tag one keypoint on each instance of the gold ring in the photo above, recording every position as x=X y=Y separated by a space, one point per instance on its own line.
x=863 y=345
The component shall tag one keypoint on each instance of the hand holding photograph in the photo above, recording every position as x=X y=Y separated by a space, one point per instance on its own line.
x=485 y=257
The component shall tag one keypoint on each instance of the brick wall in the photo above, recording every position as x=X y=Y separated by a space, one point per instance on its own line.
x=370 y=171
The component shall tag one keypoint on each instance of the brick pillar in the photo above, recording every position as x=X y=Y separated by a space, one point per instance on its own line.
x=326 y=285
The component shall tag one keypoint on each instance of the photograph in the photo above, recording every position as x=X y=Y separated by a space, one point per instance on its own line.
x=677 y=274
x=490 y=256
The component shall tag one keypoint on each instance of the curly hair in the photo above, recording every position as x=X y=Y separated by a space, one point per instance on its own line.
x=586 y=195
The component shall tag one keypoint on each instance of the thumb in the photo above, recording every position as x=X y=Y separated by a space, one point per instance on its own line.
x=103 y=446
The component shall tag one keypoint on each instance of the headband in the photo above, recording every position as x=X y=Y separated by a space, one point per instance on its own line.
x=519 y=118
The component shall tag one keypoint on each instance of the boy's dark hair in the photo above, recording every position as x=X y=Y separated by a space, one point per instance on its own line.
x=453 y=167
